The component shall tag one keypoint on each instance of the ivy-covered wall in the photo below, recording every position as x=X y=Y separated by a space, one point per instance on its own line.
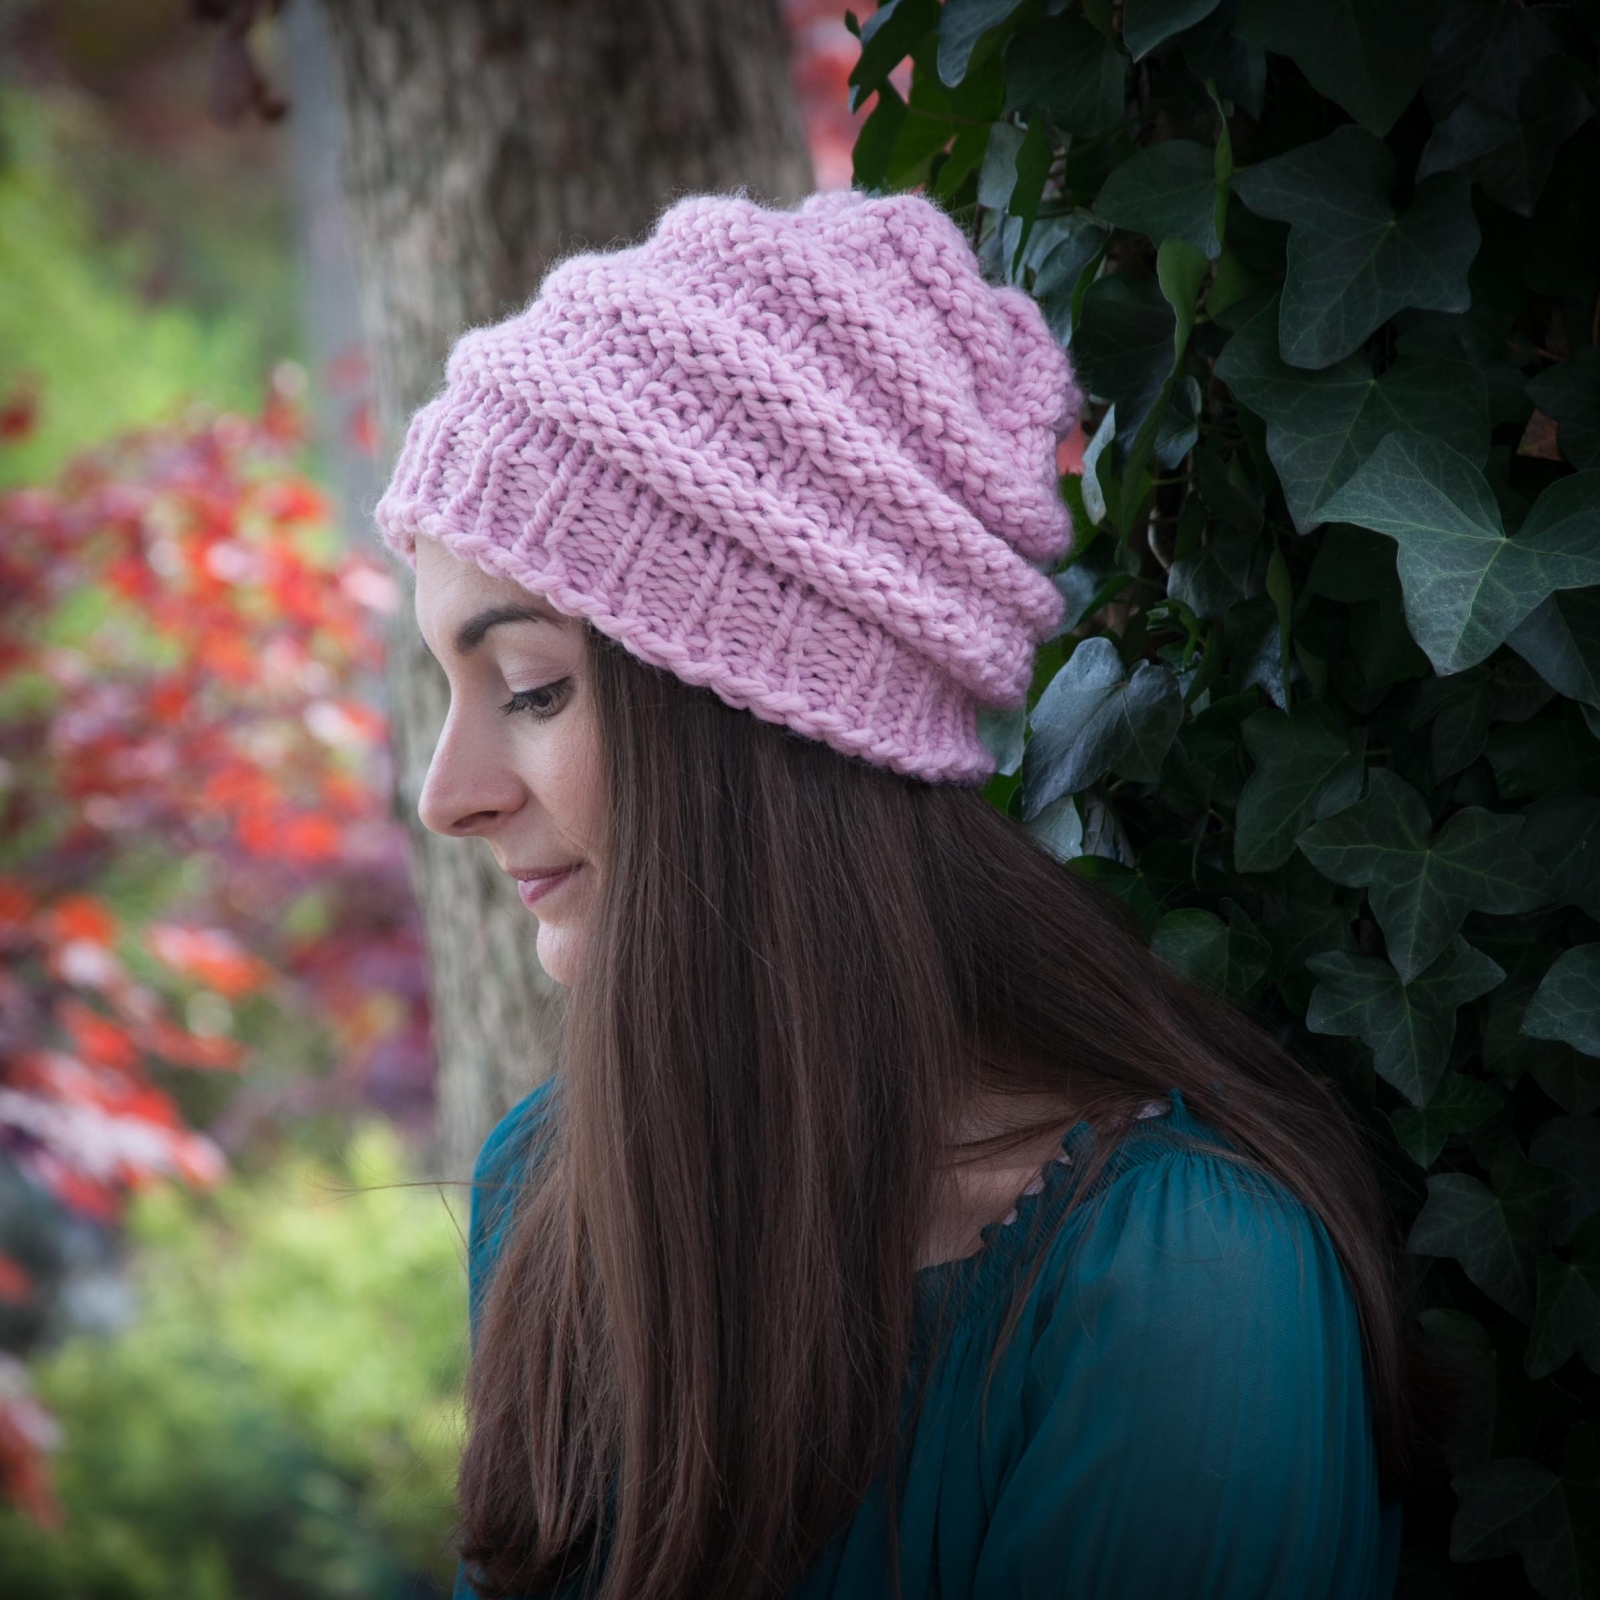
x=1326 y=711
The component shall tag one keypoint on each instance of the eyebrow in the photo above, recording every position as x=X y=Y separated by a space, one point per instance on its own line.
x=471 y=632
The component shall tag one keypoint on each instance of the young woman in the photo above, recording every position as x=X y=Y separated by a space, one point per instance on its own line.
x=894 y=1223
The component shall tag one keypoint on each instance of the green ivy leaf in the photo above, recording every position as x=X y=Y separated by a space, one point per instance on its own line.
x=1366 y=55
x=1229 y=567
x=1571 y=1079
x=1180 y=270
x=1571 y=1145
x=1421 y=884
x=1255 y=641
x=997 y=177
x=1032 y=168
x=1123 y=346
x=1059 y=828
x=1227 y=490
x=1466 y=584
x=1103 y=833
x=1089 y=583
x=1495 y=1233
x=1147 y=23
x=887 y=38
x=1570 y=392
x=934 y=112
x=1516 y=1506
x=1483 y=50
x=1180 y=422
x=1458 y=1105
x=1563 y=835
x=1560 y=640
x=1566 y=1005
x=1566 y=1318
x=875 y=144
x=1322 y=425
x=1002 y=735
x=1510 y=156
x=1093 y=490
x=1215 y=54
x=1066 y=249
x=1166 y=191
x=1410 y=1026
x=1093 y=719
x=1130 y=887
x=1229 y=958
x=1065 y=66
x=1467 y=1342
x=962 y=23
x=1500 y=103
x=1306 y=767
x=1552 y=754
x=1353 y=263
x=966 y=156
x=1011 y=179
x=1459 y=710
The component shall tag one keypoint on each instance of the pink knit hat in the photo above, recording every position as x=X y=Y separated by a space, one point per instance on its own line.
x=804 y=458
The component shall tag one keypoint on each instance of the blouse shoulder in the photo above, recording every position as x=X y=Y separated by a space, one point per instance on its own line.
x=1179 y=1213
x=509 y=1139
x=1196 y=1353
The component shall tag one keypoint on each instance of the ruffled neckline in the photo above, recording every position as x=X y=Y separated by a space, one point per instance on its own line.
x=1053 y=1180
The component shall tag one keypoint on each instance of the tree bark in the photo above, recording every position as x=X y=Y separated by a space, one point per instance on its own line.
x=483 y=139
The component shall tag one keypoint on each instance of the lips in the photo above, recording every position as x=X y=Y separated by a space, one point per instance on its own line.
x=533 y=886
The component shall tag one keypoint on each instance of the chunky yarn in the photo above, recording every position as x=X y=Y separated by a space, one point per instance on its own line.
x=805 y=458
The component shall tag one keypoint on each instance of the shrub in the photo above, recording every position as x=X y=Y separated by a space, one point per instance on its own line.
x=282 y=1416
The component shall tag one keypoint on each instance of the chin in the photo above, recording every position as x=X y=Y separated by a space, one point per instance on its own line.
x=557 y=948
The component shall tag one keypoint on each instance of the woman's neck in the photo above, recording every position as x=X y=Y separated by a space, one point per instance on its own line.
x=974 y=1189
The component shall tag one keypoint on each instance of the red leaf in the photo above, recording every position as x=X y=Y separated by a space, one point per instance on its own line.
x=24 y=1472
x=80 y=916
x=19 y=412
x=96 y=1038
x=16 y=1282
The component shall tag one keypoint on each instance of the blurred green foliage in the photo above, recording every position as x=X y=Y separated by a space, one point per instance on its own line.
x=281 y=1417
x=78 y=323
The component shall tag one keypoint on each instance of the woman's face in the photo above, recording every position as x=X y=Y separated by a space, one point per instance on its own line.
x=518 y=760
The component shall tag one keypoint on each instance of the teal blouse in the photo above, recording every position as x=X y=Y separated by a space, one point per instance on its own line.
x=1180 y=1413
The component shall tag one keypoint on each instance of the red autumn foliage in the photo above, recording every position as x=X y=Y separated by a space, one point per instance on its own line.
x=27 y=1431
x=215 y=707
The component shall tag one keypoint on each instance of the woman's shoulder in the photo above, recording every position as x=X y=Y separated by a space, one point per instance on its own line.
x=1181 y=1237
x=1193 y=1346
x=1192 y=1248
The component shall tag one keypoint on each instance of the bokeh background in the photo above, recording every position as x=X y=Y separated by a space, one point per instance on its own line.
x=231 y=1291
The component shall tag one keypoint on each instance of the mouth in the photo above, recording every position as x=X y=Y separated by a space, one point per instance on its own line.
x=534 y=886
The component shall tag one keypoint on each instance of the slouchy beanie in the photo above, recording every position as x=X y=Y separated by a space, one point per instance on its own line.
x=805 y=458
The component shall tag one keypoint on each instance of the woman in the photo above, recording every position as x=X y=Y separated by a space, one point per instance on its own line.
x=894 y=1223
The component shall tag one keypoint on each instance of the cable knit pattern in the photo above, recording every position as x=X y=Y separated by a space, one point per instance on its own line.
x=804 y=458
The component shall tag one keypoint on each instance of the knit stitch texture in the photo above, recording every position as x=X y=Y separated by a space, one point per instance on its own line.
x=805 y=458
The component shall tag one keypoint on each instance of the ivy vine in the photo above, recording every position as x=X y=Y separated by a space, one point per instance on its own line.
x=1325 y=712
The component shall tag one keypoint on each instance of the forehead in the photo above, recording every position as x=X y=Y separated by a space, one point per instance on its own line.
x=444 y=579
x=452 y=592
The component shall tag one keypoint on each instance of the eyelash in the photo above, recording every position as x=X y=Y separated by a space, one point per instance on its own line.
x=521 y=700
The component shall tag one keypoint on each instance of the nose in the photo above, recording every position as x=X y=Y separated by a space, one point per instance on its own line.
x=468 y=787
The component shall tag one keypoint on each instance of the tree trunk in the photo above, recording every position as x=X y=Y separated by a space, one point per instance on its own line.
x=483 y=139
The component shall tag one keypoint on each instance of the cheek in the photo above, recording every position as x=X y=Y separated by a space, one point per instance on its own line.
x=570 y=778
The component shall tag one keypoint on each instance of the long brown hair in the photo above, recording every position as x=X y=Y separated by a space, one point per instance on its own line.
x=692 y=1356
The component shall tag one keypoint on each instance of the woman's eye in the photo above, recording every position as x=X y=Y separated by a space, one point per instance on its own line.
x=542 y=702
